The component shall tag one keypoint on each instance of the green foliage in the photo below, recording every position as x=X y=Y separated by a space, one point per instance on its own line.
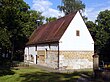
x=103 y=20
x=103 y=28
x=71 y=6
x=12 y=18
x=50 y=19
x=16 y=25
x=100 y=30
x=4 y=38
x=32 y=23
x=103 y=35
x=92 y=28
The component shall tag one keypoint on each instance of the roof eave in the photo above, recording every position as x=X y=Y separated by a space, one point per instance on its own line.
x=39 y=43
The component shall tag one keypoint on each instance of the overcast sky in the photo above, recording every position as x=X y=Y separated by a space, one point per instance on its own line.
x=49 y=7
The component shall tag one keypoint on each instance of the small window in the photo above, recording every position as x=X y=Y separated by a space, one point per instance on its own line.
x=77 y=33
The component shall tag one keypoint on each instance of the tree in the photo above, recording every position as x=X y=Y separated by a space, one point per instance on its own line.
x=100 y=31
x=71 y=6
x=16 y=25
x=13 y=16
x=102 y=37
x=32 y=23
x=5 y=43
x=50 y=19
x=92 y=28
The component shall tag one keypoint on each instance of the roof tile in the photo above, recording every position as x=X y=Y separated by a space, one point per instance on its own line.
x=51 y=32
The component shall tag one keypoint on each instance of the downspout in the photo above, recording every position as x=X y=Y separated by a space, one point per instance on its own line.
x=58 y=55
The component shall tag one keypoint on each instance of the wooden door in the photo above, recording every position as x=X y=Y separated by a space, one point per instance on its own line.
x=41 y=56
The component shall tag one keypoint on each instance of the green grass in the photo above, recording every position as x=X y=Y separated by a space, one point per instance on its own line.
x=31 y=74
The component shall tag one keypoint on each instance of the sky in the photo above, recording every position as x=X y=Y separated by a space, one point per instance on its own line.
x=49 y=7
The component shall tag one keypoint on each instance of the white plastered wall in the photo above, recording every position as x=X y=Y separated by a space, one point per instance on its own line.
x=47 y=46
x=31 y=51
x=69 y=40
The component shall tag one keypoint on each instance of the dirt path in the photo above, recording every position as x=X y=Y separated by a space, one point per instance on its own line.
x=51 y=69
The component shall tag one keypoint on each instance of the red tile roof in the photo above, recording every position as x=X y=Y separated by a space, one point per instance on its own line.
x=51 y=32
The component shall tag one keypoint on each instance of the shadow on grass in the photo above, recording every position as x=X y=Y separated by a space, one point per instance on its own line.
x=6 y=71
x=50 y=77
x=5 y=67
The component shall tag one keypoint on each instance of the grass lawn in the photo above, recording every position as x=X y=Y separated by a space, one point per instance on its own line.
x=31 y=74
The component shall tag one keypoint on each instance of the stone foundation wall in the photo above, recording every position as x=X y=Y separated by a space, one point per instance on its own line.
x=52 y=58
x=76 y=59
x=67 y=59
